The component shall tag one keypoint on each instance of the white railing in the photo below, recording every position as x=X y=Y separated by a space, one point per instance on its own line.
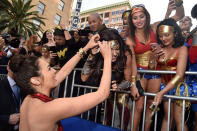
x=114 y=119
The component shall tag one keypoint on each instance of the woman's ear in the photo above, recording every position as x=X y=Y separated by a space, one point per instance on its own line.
x=35 y=81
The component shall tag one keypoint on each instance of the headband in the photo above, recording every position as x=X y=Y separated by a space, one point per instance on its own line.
x=165 y=29
x=114 y=44
x=49 y=30
x=137 y=9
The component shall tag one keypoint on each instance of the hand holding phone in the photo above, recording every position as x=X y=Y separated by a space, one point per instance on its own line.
x=156 y=48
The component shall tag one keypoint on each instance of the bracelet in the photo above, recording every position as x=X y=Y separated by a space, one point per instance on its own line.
x=132 y=84
x=81 y=52
x=133 y=79
x=178 y=3
x=176 y=79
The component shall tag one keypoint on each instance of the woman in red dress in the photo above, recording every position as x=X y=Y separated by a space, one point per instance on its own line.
x=142 y=34
x=174 y=58
x=36 y=78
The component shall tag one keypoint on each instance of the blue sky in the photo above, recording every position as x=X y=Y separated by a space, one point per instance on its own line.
x=157 y=8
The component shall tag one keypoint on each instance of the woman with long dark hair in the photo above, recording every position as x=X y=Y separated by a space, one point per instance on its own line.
x=142 y=34
x=48 y=38
x=121 y=66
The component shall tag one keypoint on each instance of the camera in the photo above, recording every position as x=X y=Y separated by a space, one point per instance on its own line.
x=6 y=38
x=84 y=32
x=15 y=43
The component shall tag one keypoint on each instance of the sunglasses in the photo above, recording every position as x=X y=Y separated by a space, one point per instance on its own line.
x=139 y=5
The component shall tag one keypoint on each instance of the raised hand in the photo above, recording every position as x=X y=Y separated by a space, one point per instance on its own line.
x=171 y=7
x=93 y=42
x=105 y=50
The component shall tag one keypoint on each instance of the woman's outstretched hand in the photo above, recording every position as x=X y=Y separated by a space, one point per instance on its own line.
x=93 y=42
x=105 y=49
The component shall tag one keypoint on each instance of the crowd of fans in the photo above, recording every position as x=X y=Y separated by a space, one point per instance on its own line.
x=168 y=44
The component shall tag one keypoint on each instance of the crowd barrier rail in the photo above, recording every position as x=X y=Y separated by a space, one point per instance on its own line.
x=132 y=105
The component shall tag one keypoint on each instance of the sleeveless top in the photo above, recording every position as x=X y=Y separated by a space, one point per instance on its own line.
x=169 y=65
x=143 y=51
x=45 y=98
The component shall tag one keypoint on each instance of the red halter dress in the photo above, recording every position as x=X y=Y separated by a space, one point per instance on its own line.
x=45 y=98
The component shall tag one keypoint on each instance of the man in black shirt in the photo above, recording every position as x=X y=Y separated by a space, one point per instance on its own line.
x=63 y=46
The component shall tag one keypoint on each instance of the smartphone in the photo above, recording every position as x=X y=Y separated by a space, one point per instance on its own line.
x=84 y=32
x=52 y=48
x=156 y=47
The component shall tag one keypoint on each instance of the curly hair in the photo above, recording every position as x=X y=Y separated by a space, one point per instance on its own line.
x=178 y=39
x=133 y=28
x=108 y=35
x=24 y=68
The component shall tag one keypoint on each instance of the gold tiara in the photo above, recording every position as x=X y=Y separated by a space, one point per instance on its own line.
x=114 y=44
x=137 y=9
x=49 y=30
x=165 y=29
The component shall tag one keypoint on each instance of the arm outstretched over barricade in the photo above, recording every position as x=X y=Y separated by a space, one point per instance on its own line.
x=36 y=78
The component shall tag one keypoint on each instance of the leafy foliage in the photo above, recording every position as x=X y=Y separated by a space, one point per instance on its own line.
x=17 y=17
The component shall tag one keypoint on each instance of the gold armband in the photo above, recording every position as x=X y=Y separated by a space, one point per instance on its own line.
x=176 y=79
x=81 y=52
x=133 y=80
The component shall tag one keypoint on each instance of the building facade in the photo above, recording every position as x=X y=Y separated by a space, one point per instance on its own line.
x=111 y=14
x=55 y=12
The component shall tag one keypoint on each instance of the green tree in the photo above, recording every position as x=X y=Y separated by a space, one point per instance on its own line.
x=17 y=16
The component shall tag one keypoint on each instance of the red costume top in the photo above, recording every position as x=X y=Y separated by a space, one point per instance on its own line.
x=169 y=65
x=192 y=52
x=45 y=98
x=143 y=51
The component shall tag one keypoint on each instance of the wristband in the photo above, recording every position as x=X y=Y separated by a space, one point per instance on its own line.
x=81 y=52
x=175 y=80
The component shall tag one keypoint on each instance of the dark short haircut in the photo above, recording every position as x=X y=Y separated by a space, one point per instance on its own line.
x=178 y=39
x=59 y=32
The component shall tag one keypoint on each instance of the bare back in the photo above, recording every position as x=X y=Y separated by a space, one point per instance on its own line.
x=31 y=119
